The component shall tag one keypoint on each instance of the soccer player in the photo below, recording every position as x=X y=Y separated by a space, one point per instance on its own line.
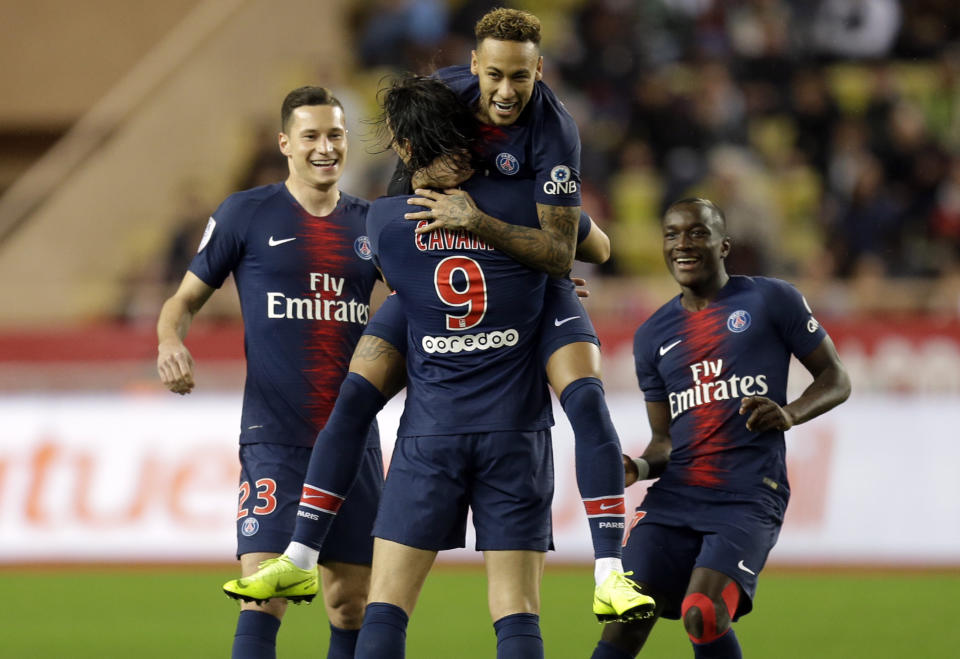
x=302 y=264
x=475 y=428
x=712 y=364
x=526 y=135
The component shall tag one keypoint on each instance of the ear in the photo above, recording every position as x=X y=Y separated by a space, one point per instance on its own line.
x=725 y=247
x=284 y=142
x=474 y=64
x=539 y=73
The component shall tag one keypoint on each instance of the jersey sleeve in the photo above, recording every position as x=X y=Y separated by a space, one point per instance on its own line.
x=653 y=387
x=583 y=227
x=793 y=317
x=556 y=153
x=222 y=244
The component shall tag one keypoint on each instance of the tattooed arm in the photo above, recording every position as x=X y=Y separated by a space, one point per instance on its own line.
x=550 y=248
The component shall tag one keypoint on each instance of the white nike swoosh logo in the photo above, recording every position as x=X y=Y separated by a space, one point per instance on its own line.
x=557 y=322
x=665 y=349
x=745 y=568
x=274 y=243
x=604 y=506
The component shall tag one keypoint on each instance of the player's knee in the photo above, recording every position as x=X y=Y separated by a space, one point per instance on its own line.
x=704 y=619
x=346 y=611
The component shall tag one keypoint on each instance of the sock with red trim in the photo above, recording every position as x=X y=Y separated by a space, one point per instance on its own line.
x=598 y=464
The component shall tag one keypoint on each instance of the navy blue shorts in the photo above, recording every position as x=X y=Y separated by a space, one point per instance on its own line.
x=504 y=478
x=670 y=535
x=564 y=321
x=271 y=480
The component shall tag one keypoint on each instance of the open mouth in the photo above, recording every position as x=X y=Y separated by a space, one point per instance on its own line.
x=686 y=262
x=504 y=108
x=324 y=163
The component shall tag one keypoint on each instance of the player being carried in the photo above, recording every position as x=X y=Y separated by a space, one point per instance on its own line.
x=712 y=364
x=528 y=136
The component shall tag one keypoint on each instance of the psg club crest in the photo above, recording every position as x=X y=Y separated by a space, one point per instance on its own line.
x=249 y=526
x=508 y=164
x=362 y=247
x=738 y=321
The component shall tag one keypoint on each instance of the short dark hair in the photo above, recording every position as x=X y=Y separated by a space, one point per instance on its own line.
x=306 y=95
x=508 y=25
x=703 y=206
x=428 y=118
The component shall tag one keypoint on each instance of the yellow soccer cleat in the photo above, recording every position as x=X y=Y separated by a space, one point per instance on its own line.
x=618 y=599
x=277 y=577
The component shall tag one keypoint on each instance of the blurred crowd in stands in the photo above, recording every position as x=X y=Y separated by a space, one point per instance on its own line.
x=828 y=130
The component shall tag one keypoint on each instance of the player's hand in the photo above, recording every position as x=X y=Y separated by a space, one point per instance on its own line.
x=451 y=209
x=581 y=285
x=630 y=473
x=764 y=414
x=175 y=366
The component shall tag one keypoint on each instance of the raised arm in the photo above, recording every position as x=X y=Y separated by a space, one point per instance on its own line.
x=657 y=454
x=174 y=361
x=830 y=387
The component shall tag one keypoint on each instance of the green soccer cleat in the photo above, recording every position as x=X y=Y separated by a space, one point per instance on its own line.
x=277 y=577
x=618 y=599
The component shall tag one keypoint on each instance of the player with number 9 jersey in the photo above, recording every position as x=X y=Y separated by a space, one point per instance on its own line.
x=472 y=319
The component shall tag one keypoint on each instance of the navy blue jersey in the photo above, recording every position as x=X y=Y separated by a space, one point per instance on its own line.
x=472 y=315
x=543 y=144
x=304 y=285
x=702 y=363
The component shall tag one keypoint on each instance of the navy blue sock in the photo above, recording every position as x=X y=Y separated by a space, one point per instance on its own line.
x=725 y=647
x=518 y=636
x=384 y=632
x=598 y=462
x=336 y=458
x=256 y=636
x=342 y=643
x=606 y=651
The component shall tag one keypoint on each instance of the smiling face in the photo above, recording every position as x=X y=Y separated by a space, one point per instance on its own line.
x=315 y=144
x=507 y=72
x=694 y=247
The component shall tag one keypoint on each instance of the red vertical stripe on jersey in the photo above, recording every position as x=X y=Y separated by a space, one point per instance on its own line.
x=328 y=346
x=704 y=338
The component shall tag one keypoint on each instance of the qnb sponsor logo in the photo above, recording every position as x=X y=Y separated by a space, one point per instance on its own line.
x=708 y=387
x=316 y=308
x=561 y=181
x=470 y=342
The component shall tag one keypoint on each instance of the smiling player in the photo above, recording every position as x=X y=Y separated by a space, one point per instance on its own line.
x=712 y=364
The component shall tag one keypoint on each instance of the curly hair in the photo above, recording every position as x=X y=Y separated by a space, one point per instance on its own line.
x=428 y=119
x=508 y=25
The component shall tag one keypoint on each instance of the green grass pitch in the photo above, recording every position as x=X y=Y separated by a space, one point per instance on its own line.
x=180 y=612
